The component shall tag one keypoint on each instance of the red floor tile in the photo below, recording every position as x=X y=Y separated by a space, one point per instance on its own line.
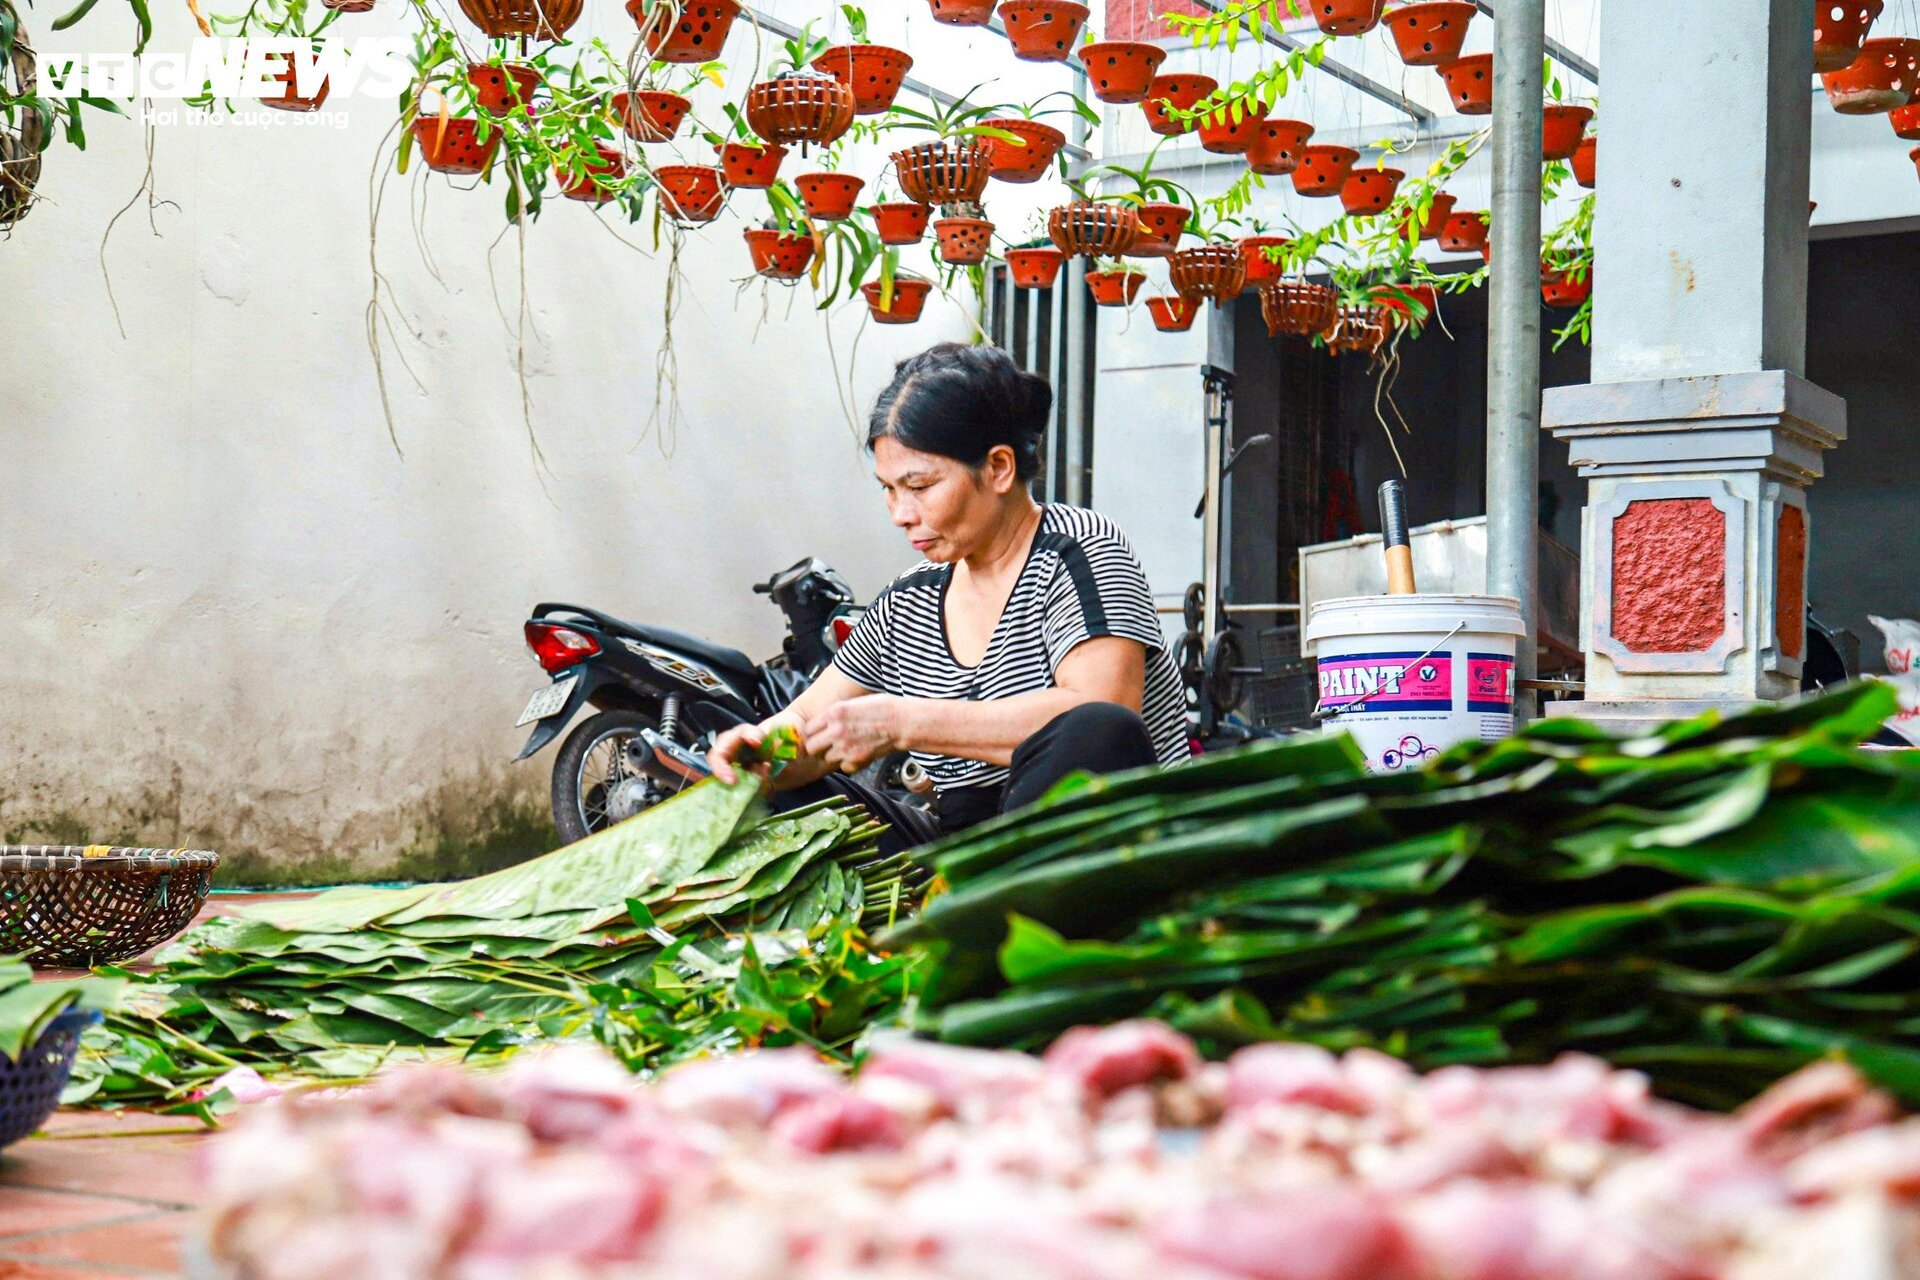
x=151 y=1243
x=160 y=1171
x=24 y=1211
x=13 y=1269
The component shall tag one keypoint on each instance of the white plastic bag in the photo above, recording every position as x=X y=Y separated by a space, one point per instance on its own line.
x=1902 y=636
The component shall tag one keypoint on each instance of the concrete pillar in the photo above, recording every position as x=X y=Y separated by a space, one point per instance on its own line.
x=1698 y=436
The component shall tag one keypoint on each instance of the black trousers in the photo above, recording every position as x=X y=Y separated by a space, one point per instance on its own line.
x=1094 y=737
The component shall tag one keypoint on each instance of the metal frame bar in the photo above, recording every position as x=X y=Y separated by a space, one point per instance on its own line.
x=1561 y=54
x=1339 y=71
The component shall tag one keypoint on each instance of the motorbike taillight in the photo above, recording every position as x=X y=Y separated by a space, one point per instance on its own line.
x=837 y=632
x=556 y=648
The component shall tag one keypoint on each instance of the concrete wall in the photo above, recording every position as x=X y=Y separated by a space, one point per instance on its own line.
x=233 y=618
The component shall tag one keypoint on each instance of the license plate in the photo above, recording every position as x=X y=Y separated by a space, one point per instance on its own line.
x=545 y=703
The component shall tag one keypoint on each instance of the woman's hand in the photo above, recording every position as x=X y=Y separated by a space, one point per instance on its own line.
x=727 y=749
x=850 y=735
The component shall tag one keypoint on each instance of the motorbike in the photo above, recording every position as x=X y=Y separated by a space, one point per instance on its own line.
x=658 y=697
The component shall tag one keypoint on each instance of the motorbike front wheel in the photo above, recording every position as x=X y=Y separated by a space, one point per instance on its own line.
x=594 y=786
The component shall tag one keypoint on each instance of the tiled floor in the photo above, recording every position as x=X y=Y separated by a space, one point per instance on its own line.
x=101 y=1194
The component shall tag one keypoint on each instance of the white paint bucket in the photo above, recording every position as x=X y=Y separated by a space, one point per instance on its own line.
x=1409 y=676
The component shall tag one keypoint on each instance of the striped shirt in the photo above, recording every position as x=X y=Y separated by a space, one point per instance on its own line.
x=1081 y=580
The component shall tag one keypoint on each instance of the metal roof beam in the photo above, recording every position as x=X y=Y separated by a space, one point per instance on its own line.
x=1339 y=71
x=1560 y=53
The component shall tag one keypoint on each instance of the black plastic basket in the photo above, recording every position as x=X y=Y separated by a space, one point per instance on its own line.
x=30 y=1088
x=1283 y=695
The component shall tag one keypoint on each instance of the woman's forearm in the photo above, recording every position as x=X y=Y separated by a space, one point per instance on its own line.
x=986 y=731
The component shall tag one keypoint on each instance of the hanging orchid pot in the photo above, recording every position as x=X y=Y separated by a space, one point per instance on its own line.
x=690 y=192
x=1010 y=161
x=1369 y=191
x=1114 y=288
x=900 y=221
x=1358 y=328
x=1880 y=79
x=1093 y=229
x=1347 y=17
x=452 y=145
x=1298 y=308
x=750 y=167
x=1161 y=226
x=904 y=307
x=1120 y=71
x=1174 y=313
x=873 y=73
x=523 y=19
x=596 y=179
x=829 y=196
x=650 y=115
x=1465 y=233
x=779 y=255
x=1261 y=266
x=1180 y=93
x=349 y=6
x=1586 y=162
x=1914 y=155
x=1397 y=304
x=1323 y=170
x=502 y=88
x=1562 y=129
x=1470 y=84
x=1222 y=134
x=963 y=13
x=1839 y=29
x=682 y=30
x=1036 y=267
x=1431 y=34
x=1043 y=30
x=1274 y=150
x=1215 y=271
x=289 y=98
x=800 y=107
x=1436 y=220
x=1558 y=289
x=953 y=172
x=963 y=241
x=1906 y=122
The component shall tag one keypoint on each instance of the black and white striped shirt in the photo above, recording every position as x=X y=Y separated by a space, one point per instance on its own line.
x=1081 y=580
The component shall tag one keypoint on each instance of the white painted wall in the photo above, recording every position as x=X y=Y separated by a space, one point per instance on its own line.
x=232 y=617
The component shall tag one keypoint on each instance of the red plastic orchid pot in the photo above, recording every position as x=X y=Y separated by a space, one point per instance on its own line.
x=1114 y=288
x=453 y=146
x=1180 y=92
x=1043 y=30
x=1323 y=170
x=289 y=99
x=691 y=192
x=1358 y=328
x=900 y=221
x=1839 y=29
x=539 y=19
x=591 y=184
x=1222 y=134
x=650 y=115
x=1298 y=308
x=683 y=30
x=502 y=88
x=1914 y=155
x=1011 y=162
x=963 y=241
x=1906 y=122
x=1586 y=162
x=873 y=72
x=1173 y=313
x=1161 y=226
x=1433 y=33
x=1093 y=229
x=1465 y=233
x=1035 y=268
x=1392 y=300
x=800 y=106
x=1437 y=214
x=1274 y=150
x=1260 y=267
x=829 y=196
x=1880 y=79
x=1563 y=128
x=753 y=168
x=1216 y=271
x=947 y=172
x=1470 y=84
x=908 y=301
x=1368 y=191
x=963 y=13
x=1347 y=17
x=1119 y=71
x=779 y=255
x=1557 y=289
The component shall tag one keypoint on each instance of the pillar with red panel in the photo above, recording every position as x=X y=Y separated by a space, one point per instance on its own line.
x=1698 y=436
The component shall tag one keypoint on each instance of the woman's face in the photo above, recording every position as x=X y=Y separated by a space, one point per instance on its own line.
x=945 y=507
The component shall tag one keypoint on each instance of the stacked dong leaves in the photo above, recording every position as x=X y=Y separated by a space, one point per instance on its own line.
x=701 y=924
x=1715 y=903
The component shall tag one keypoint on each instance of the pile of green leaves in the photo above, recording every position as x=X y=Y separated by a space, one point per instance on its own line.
x=28 y=1008
x=1716 y=903
x=666 y=934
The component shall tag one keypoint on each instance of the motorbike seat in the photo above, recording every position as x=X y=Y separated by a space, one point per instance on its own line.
x=729 y=663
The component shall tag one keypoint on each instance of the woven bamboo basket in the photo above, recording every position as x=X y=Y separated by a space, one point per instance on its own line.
x=20 y=143
x=68 y=905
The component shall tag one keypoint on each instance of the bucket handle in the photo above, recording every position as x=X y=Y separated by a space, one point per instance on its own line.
x=1321 y=711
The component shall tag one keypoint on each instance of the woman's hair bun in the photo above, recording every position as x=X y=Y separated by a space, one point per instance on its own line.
x=961 y=401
